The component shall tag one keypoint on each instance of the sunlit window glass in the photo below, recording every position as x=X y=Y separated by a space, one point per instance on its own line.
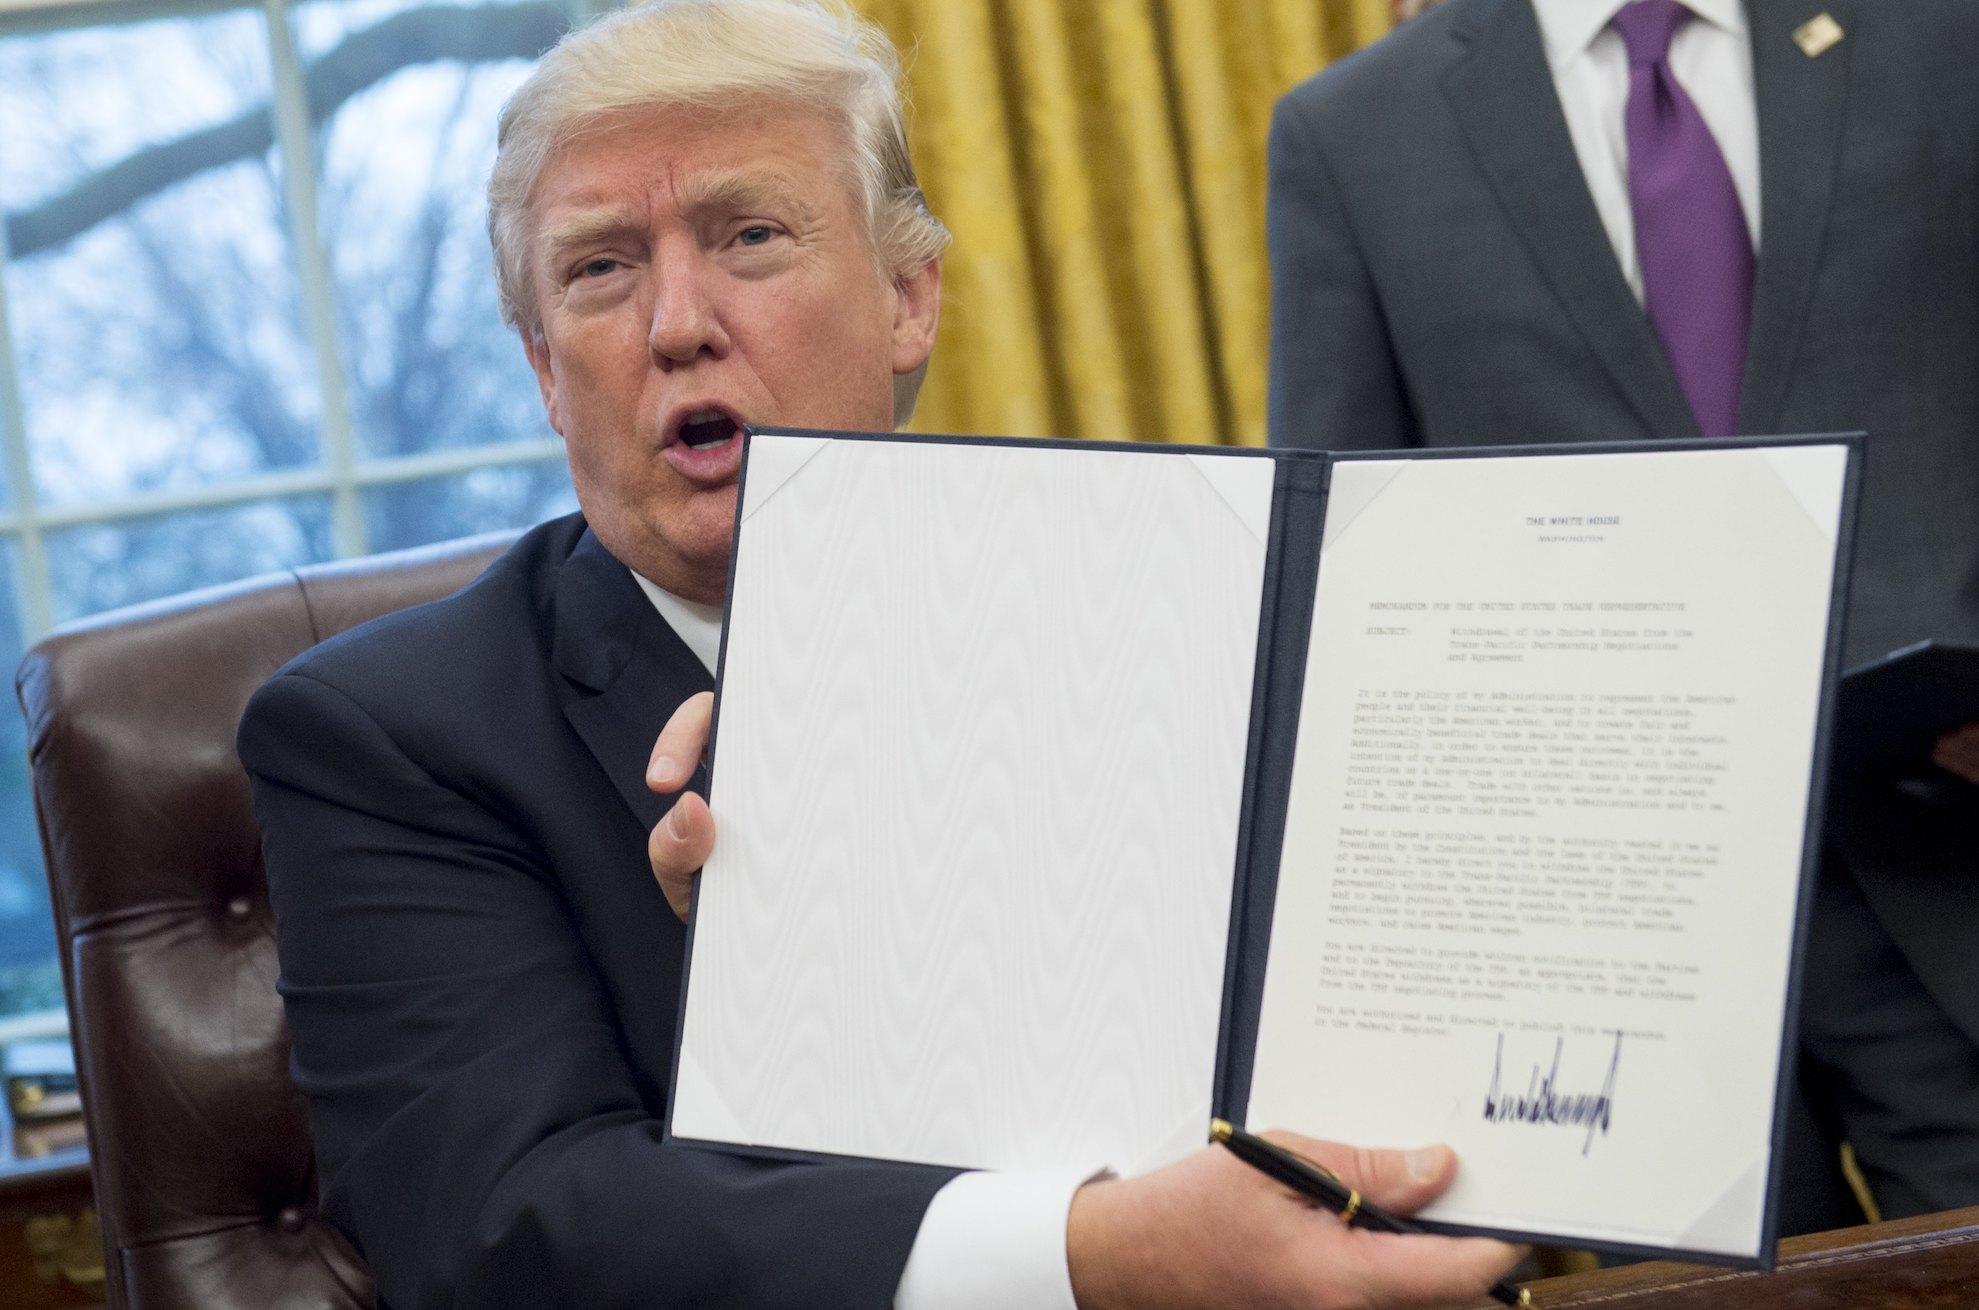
x=30 y=978
x=435 y=509
x=406 y=98
x=150 y=282
x=247 y=318
x=103 y=566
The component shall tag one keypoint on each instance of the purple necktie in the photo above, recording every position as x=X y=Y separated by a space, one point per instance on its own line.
x=1690 y=231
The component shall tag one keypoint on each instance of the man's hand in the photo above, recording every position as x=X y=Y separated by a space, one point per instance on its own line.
x=680 y=843
x=1958 y=753
x=1209 y=1230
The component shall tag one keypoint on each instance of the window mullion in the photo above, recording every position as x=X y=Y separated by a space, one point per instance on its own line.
x=29 y=17
x=295 y=136
x=281 y=486
x=465 y=459
x=31 y=576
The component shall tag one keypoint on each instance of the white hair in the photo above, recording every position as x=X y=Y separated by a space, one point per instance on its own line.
x=713 y=54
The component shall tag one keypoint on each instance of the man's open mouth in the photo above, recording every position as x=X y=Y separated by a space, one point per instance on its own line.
x=707 y=429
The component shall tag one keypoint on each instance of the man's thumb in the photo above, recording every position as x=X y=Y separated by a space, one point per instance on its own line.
x=1401 y=1181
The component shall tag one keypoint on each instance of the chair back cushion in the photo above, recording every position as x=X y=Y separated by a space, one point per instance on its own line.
x=200 y=1147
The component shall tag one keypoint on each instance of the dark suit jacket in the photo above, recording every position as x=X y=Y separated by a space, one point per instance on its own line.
x=1440 y=277
x=482 y=977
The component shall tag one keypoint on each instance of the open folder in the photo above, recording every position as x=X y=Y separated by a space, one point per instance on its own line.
x=1070 y=795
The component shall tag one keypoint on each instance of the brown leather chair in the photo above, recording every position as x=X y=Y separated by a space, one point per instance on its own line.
x=200 y=1146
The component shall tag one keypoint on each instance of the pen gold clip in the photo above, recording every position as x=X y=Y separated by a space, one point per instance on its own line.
x=1221 y=1130
x=1353 y=1206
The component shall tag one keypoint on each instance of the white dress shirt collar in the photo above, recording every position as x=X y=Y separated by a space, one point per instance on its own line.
x=1711 y=60
x=700 y=626
x=1568 y=27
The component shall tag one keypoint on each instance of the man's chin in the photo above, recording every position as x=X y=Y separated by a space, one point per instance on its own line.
x=695 y=544
x=683 y=549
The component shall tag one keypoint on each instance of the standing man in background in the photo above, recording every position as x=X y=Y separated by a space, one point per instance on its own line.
x=1520 y=221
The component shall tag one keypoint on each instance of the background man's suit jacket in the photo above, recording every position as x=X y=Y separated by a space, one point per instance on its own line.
x=482 y=976
x=1440 y=277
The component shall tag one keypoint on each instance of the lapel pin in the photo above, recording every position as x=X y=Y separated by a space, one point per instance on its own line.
x=1817 y=35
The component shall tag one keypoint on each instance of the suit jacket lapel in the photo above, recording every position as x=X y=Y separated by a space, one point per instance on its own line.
x=1800 y=118
x=1501 y=91
x=630 y=669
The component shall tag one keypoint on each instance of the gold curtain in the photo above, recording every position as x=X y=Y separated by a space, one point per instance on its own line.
x=1101 y=163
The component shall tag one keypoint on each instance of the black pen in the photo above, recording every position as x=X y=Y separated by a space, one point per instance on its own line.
x=1326 y=1187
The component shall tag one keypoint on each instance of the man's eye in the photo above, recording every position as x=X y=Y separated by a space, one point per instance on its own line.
x=596 y=267
x=755 y=235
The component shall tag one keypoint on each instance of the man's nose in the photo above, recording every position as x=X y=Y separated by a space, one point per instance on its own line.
x=686 y=312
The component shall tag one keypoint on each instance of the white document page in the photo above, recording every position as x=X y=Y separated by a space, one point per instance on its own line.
x=1544 y=843
x=977 y=778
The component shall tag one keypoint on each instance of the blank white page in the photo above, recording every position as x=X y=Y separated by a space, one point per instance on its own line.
x=977 y=776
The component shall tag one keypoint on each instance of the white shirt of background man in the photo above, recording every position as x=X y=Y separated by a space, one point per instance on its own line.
x=1711 y=58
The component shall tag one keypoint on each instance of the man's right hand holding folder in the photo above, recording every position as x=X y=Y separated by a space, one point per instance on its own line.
x=1958 y=753
x=1208 y=1230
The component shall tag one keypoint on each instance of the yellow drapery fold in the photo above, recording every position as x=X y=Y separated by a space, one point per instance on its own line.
x=1101 y=163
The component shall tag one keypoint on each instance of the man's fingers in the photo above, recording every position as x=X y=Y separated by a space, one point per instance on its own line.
x=678 y=847
x=1401 y=1181
x=1399 y=1270
x=1396 y=1269
x=1959 y=752
x=1958 y=759
x=681 y=743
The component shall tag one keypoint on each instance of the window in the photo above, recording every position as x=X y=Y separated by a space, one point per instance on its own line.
x=247 y=319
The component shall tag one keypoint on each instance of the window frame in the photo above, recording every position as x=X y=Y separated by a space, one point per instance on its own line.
x=343 y=474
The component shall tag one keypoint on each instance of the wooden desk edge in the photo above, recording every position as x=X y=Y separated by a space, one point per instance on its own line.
x=31 y=1176
x=1892 y=1240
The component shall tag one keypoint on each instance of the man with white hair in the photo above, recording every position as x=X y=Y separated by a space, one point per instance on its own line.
x=704 y=216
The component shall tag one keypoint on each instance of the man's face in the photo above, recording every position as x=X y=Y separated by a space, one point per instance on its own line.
x=694 y=272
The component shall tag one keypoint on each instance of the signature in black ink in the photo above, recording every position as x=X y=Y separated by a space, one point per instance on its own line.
x=1543 y=1104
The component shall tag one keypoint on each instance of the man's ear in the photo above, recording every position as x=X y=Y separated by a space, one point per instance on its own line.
x=916 y=314
x=538 y=349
